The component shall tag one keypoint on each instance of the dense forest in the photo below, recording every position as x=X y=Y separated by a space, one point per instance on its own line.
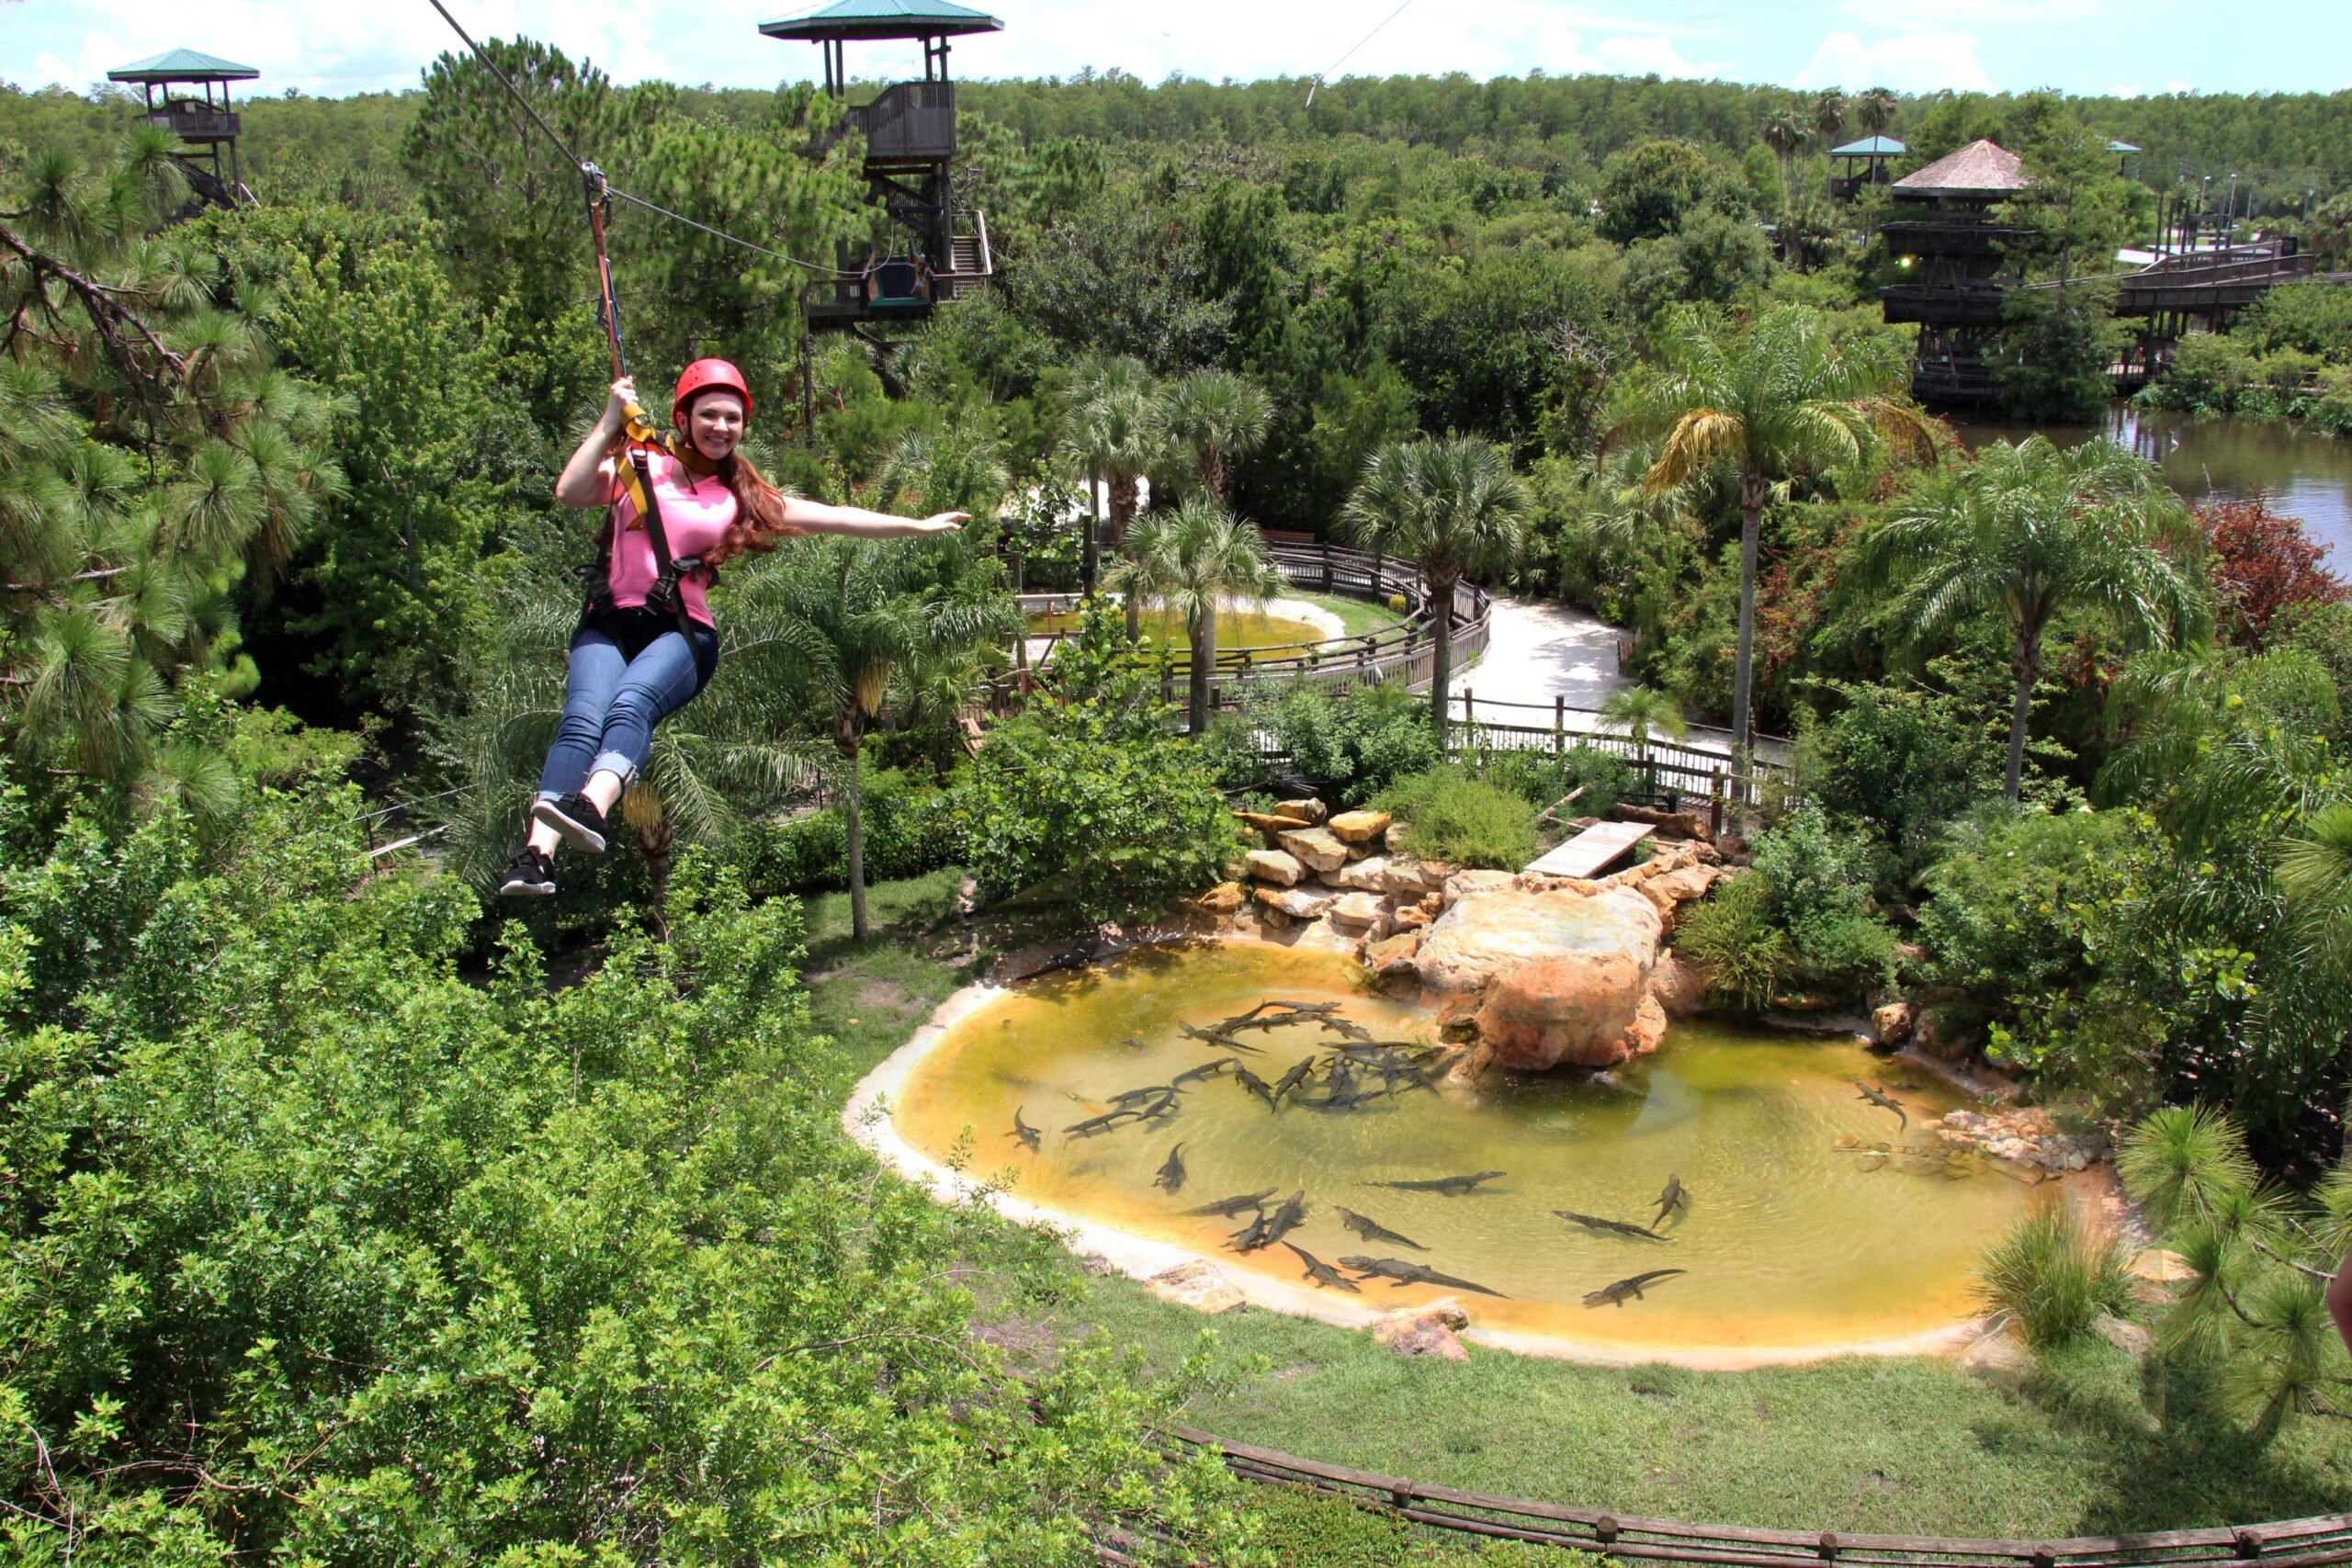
x=353 y=1214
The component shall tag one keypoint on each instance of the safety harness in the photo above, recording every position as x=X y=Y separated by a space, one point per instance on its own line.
x=639 y=440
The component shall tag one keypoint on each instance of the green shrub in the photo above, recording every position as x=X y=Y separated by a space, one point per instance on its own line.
x=909 y=830
x=1543 y=779
x=1295 y=1527
x=1352 y=744
x=1466 y=820
x=1819 y=875
x=1731 y=937
x=2052 y=1276
x=1904 y=759
x=2010 y=907
x=449 y=1263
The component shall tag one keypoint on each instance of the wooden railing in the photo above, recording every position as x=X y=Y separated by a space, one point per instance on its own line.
x=2285 y=1543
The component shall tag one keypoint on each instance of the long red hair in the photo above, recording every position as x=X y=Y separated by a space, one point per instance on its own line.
x=759 y=505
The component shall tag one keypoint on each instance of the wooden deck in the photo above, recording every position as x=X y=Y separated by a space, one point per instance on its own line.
x=1600 y=846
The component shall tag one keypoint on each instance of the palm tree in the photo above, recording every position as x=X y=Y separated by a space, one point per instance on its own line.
x=1115 y=435
x=1768 y=400
x=2316 y=877
x=1639 y=710
x=1783 y=132
x=1452 y=506
x=1874 y=111
x=1192 y=560
x=2032 y=530
x=1214 y=418
x=1828 y=111
x=862 y=618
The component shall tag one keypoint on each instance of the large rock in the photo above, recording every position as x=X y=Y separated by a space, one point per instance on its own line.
x=1668 y=891
x=1223 y=899
x=1463 y=884
x=1307 y=810
x=1357 y=910
x=1360 y=827
x=1268 y=824
x=1430 y=1330
x=1547 y=977
x=1892 y=1024
x=1298 y=903
x=1199 y=1285
x=1394 y=954
x=2125 y=1335
x=2000 y=1357
x=1949 y=1034
x=1369 y=876
x=1679 y=986
x=1411 y=878
x=1275 y=866
x=1318 y=848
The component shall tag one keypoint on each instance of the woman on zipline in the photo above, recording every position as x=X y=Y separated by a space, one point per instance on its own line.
x=635 y=663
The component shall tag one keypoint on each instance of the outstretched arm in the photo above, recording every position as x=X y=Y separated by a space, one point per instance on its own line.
x=815 y=517
x=580 y=484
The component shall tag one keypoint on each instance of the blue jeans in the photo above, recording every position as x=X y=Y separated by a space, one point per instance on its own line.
x=629 y=673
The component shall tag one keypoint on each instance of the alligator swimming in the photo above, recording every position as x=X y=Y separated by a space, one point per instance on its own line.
x=1292 y=1078
x=1399 y=1273
x=1167 y=1105
x=1287 y=1218
x=1341 y=1079
x=1022 y=1131
x=1619 y=1227
x=1373 y=1230
x=1215 y=1037
x=1101 y=1123
x=1883 y=1102
x=1670 y=1198
x=1443 y=1186
x=1617 y=1294
x=1252 y=1082
x=1345 y=1030
x=1205 y=1070
x=1137 y=1096
x=1172 y=1175
x=1253 y=1235
x=1322 y=1274
x=1227 y=1208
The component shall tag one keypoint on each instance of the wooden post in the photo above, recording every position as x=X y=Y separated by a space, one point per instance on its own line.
x=1466 y=709
x=1714 y=802
x=1559 y=724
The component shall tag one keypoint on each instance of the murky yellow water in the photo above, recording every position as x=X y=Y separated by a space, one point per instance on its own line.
x=1798 y=1230
x=1235 y=628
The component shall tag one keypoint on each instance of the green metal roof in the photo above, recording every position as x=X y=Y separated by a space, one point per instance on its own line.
x=883 y=19
x=182 y=65
x=2121 y=147
x=1871 y=147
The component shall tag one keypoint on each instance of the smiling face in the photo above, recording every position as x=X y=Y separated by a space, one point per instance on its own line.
x=715 y=423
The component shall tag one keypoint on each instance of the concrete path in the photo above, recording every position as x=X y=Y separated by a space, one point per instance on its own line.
x=1536 y=652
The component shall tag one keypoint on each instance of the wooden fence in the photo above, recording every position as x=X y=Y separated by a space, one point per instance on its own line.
x=1406 y=652
x=2286 y=1543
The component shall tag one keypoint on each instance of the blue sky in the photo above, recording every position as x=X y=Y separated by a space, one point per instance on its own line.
x=2082 y=45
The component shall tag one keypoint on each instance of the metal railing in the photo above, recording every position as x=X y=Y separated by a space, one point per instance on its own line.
x=2286 y=1543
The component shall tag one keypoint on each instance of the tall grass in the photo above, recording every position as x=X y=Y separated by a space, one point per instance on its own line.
x=2052 y=1276
x=1462 y=820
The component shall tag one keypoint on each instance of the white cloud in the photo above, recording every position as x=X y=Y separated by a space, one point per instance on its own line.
x=1910 y=63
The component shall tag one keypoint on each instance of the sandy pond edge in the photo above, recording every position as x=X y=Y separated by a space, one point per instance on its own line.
x=867 y=1118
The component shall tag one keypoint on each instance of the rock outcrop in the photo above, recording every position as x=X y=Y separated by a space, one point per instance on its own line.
x=1431 y=1330
x=1549 y=977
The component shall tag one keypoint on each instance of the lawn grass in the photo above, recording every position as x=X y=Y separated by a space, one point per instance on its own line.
x=1358 y=618
x=1862 y=1444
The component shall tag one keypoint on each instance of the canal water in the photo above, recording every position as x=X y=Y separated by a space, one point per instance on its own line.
x=2306 y=473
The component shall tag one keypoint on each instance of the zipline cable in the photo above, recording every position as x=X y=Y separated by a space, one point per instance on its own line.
x=596 y=178
x=1320 y=75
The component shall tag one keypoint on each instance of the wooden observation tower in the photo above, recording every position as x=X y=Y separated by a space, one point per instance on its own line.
x=935 y=253
x=206 y=123
x=1952 y=249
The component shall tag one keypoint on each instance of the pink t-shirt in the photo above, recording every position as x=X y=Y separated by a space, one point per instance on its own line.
x=695 y=512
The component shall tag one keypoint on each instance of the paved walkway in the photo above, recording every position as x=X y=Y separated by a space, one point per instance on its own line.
x=1536 y=652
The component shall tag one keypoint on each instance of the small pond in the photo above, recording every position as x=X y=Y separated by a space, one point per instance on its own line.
x=1234 y=630
x=1811 y=1218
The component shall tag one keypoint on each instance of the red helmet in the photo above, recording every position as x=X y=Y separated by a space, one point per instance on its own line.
x=701 y=376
